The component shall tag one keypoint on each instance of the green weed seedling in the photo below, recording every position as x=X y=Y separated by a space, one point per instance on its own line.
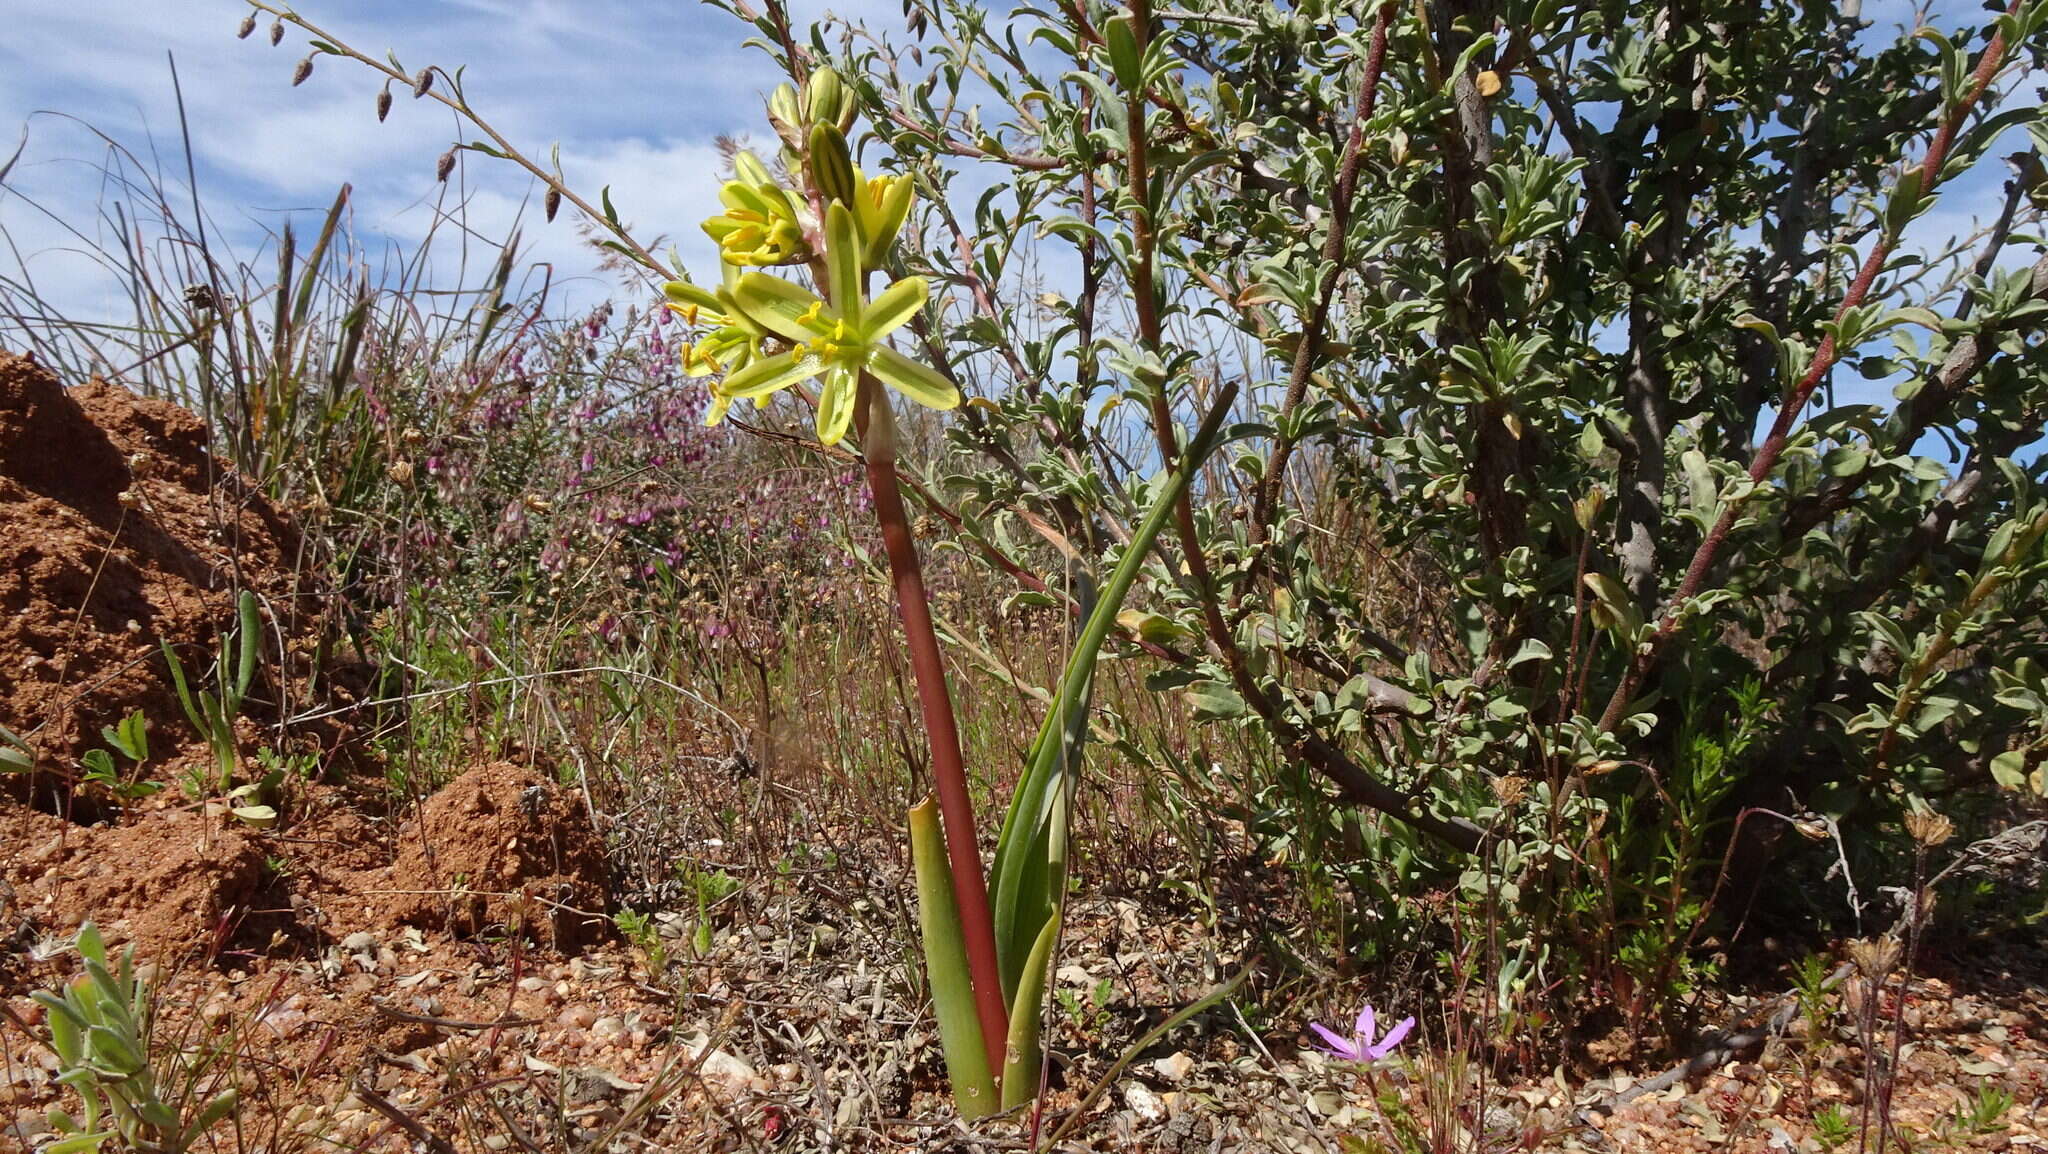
x=1984 y=1113
x=131 y=740
x=130 y=737
x=1831 y=1125
x=303 y=766
x=1089 y=1014
x=99 y=1030
x=213 y=713
x=1811 y=979
x=640 y=930
x=709 y=887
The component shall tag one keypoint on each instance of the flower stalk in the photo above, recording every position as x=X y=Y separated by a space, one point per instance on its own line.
x=877 y=422
x=762 y=333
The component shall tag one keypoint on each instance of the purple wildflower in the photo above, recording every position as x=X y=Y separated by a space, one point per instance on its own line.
x=1360 y=1046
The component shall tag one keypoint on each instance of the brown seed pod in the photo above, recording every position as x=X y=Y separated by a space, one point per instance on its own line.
x=552 y=203
x=248 y=26
x=300 y=73
x=276 y=33
x=445 y=167
x=422 y=82
x=1875 y=957
x=1929 y=828
x=384 y=103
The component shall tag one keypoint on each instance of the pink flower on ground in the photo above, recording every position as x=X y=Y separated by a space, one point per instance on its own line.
x=1360 y=1046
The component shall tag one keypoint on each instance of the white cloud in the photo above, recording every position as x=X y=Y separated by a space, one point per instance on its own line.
x=633 y=93
x=632 y=99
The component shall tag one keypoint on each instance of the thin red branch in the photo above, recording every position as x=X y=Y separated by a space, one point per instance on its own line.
x=942 y=732
x=1824 y=358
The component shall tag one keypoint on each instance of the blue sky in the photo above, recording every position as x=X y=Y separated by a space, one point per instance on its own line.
x=634 y=91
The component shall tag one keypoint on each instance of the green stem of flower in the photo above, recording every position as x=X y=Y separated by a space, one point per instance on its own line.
x=877 y=423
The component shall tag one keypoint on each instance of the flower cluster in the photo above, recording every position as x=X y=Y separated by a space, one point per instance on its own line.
x=761 y=333
x=838 y=339
x=760 y=226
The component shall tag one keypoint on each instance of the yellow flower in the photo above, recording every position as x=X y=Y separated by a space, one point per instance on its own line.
x=884 y=202
x=759 y=226
x=731 y=344
x=838 y=338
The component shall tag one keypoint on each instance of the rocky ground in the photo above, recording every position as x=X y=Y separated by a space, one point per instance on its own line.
x=447 y=973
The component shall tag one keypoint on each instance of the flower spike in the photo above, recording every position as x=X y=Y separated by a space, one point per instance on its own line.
x=836 y=338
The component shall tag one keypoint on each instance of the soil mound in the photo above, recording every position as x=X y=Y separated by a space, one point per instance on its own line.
x=500 y=846
x=176 y=880
x=117 y=531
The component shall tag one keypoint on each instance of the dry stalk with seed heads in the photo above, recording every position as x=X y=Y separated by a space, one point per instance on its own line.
x=423 y=85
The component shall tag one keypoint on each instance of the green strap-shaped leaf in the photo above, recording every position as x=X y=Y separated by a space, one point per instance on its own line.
x=16 y=755
x=215 y=1110
x=1028 y=881
x=185 y=700
x=1028 y=853
x=1024 y=1055
x=252 y=636
x=945 y=960
x=81 y=1143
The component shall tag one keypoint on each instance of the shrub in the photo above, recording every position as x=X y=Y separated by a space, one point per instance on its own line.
x=1610 y=452
x=1615 y=454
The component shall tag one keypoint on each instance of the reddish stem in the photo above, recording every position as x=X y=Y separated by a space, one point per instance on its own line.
x=1824 y=358
x=949 y=769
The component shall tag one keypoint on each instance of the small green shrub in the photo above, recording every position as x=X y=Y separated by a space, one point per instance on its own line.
x=99 y=1028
